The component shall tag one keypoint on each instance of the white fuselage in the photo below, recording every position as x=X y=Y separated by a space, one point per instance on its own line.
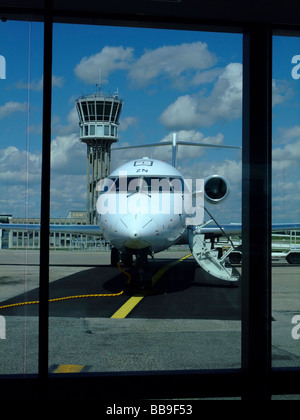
x=141 y=206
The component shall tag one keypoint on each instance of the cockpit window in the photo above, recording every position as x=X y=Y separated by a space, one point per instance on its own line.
x=164 y=184
x=146 y=184
x=128 y=184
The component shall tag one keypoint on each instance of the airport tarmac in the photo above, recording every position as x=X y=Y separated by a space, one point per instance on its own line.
x=189 y=320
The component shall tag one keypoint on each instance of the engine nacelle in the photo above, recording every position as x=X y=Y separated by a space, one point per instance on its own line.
x=216 y=189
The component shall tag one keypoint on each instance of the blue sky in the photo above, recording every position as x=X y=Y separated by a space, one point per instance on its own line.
x=188 y=82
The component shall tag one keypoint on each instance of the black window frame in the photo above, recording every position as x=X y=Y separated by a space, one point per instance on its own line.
x=256 y=380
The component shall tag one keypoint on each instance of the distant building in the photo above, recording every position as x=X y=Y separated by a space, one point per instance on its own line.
x=26 y=239
x=4 y=235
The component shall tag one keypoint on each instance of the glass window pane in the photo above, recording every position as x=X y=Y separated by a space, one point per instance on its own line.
x=21 y=99
x=85 y=111
x=189 y=83
x=99 y=111
x=286 y=201
x=106 y=130
x=99 y=130
x=114 y=112
x=107 y=110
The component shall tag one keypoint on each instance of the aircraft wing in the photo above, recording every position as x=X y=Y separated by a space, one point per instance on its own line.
x=236 y=228
x=278 y=227
x=230 y=229
x=91 y=230
x=94 y=230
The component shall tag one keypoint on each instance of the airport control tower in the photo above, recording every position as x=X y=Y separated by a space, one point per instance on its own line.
x=98 y=120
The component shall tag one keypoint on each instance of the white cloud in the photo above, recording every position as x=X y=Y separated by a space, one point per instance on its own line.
x=172 y=62
x=4 y=153
x=58 y=81
x=71 y=127
x=230 y=210
x=19 y=166
x=286 y=135
x=183 y=113
x=127 y=122
x=68 y=155
x=20 y=176
x=224 y=103
x=290 y=152
x=281 y=91
x=279 y=166
x=103 y=64
x=285 y=176
x=11 y=107
x=207 y=76
x=286 y=199
x=229 y=168
x=68 y=175
x=37 y=84
x=185 y=153
x=68 y=194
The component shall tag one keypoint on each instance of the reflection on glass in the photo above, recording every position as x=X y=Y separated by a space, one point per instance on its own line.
x=190 y=83
x=20 y=170
x=286 y=201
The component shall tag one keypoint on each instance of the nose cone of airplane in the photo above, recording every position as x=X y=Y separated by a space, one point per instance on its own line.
x=137 y=230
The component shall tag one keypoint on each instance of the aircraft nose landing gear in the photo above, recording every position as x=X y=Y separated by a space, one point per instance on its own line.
x=141 y=278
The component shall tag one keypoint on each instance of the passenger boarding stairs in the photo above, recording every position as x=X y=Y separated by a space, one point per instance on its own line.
x=209 y=258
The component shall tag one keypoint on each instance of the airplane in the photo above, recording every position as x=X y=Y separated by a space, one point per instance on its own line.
x=146 y=206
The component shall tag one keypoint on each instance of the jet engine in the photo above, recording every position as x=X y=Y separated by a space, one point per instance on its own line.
x=216 y=189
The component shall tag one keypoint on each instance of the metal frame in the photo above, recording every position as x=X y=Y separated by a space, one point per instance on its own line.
x=256 y=379
x=45 y=204
x=257 y=208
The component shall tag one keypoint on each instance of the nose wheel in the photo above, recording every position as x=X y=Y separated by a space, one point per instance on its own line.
x=141 y=278
x=144 y=279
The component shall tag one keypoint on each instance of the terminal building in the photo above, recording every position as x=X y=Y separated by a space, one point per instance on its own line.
x=21 y=239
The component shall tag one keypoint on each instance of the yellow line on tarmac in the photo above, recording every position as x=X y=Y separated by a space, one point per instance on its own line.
x=125 y=310
x=69 y=369
x=128 y=306
x=164 y=269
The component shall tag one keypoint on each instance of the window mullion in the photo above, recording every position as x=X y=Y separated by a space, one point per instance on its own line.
x=257 y=153
x=45 y=203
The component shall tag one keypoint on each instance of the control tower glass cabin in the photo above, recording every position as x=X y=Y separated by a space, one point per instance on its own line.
x=98 y=120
